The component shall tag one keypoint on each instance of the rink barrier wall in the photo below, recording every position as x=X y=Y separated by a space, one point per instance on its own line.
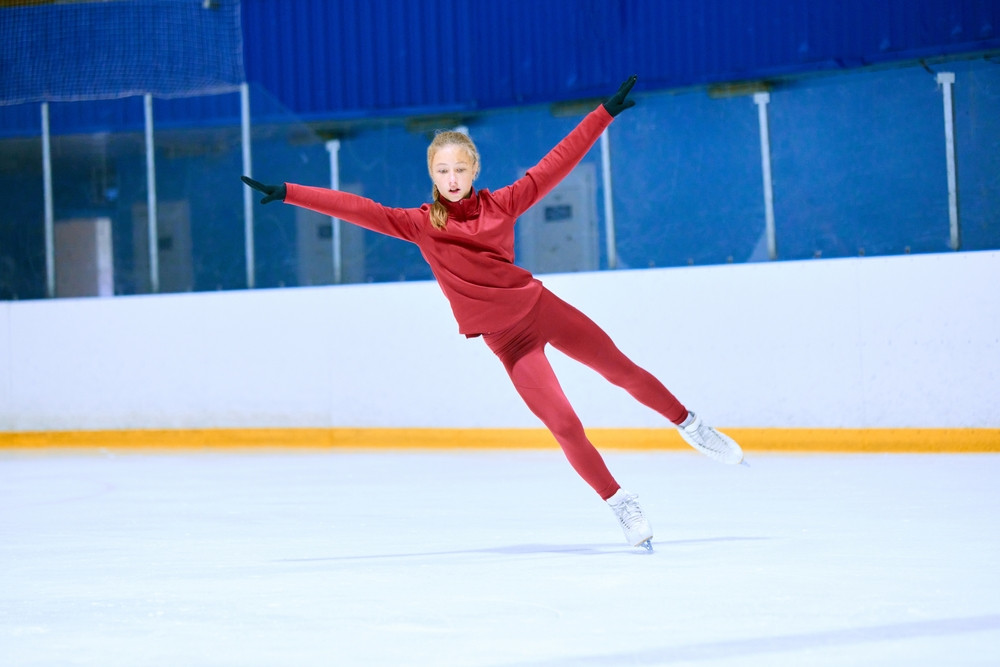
x=878 y=344
x=845 y=441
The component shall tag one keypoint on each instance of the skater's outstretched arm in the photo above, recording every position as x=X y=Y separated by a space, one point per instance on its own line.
x=401 y=223
x=556 y=165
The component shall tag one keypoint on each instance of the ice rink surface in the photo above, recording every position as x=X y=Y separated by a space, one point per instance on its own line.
x=496 y=558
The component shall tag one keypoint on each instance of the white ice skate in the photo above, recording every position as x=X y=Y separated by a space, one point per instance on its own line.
x=637 y=530
x=710 y=442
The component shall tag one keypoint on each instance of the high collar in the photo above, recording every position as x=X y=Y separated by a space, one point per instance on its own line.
x=463 y=209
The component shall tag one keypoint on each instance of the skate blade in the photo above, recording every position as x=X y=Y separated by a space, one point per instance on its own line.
x=647 y=545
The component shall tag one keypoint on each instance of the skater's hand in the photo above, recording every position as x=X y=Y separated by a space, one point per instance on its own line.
x=273 y=192
x=617 y=102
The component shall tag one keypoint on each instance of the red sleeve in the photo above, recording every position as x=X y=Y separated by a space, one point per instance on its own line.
x=402 y=223
x=521 y=195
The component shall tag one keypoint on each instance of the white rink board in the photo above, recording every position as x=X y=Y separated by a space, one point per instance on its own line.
x=909 y=341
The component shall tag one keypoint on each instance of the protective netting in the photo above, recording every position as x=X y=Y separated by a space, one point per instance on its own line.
x=70 y=51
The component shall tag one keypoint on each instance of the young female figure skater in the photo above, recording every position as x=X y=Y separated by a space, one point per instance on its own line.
x=467 y=238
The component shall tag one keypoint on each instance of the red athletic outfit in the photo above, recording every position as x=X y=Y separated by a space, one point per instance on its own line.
x=473 y=262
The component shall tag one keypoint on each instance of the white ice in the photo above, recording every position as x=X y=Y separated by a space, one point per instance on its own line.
x=496 y=558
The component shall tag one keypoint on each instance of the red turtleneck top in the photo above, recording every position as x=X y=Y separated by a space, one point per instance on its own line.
x=473 y=257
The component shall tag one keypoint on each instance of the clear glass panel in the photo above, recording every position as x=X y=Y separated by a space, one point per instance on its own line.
x=977 y=146
x=858 y=168
x=388 y=164
x=22 y=219
x=200 y=237
x=859 y=165
x=687 y=181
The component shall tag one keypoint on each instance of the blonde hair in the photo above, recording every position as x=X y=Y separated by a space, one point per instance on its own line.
x=439 y=214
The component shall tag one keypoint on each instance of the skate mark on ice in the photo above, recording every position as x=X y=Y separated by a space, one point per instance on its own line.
x=744 y=648
x=523 y=549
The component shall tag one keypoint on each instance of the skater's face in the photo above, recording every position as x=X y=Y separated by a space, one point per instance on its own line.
x=452 y=170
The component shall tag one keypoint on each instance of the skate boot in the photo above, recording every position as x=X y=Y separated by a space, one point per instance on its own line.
x=710 y=442
x=637 y=530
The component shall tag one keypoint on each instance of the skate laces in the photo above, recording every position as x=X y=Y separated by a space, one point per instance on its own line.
x=710 y=439
x=629 y=513
x=712 y=443
x=626 y=509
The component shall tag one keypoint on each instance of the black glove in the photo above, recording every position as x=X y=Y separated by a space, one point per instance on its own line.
x=273 y=192
x=617 y=102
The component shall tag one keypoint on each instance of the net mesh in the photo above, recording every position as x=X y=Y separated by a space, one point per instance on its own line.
x=72 y=51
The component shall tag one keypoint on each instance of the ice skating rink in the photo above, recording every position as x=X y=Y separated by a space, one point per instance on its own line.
x=496 y=558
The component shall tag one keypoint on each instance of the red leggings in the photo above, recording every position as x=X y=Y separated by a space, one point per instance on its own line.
x=521 y=348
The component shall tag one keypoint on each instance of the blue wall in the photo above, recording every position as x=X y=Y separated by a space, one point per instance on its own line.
x=350 y=59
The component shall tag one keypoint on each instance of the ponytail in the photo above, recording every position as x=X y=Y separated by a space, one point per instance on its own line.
x=439 y=214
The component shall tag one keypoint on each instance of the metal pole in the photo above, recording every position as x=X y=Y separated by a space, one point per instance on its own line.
x=248 y=238
x=762 y=100
x=946 y=80
x=50 y=252
x=609 y=206
x=333 y=147
x=153 y=236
